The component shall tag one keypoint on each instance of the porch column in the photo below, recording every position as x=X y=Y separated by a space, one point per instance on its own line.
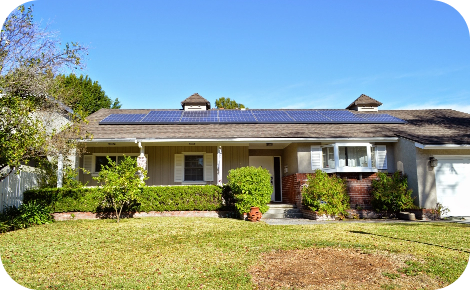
x=141 y=160
x=60 y=169
x=219 y=165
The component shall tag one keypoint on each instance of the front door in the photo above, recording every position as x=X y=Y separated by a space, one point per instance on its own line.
x=273 y=165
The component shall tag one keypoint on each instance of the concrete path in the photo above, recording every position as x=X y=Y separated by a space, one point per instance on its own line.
x=291 y=221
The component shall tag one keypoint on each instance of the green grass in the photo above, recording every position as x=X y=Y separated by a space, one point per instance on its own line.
x=169 y=253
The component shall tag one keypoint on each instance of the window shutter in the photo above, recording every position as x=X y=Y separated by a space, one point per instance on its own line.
x=381 y=156
x=316 y=157
x=179 y=167
x=88 y=162
x=208 y=167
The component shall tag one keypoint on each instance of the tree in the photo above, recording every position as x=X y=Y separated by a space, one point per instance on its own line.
x=83 y=95
x=226 y=103
x=120 y=183
x=30 y=58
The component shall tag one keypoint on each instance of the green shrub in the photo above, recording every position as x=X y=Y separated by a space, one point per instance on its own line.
x=67 y=199
x=28 y=214
x=391 y=193
x=157 y=198
x=190 y=197
x=121 y=183
x=325 y=194
x=251 y=186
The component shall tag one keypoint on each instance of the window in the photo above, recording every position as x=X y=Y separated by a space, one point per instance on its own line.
x=103 y=161
x=92 y=163
x=349 y=157
x=328 y=157
x=355 y=156
x=193 y=168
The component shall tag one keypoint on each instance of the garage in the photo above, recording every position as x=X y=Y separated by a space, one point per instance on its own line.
x=453 y=184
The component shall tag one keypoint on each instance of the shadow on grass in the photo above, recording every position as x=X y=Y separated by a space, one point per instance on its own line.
x=407 y=240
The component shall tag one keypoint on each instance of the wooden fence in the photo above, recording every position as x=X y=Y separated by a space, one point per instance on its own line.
x=12 y=188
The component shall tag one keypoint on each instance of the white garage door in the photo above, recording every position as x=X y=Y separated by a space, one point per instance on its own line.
x=453 y=184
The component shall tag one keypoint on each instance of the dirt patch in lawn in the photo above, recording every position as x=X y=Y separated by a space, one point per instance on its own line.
x=329 y=268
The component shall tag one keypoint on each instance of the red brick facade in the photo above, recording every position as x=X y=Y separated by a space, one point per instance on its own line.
x=359 y=188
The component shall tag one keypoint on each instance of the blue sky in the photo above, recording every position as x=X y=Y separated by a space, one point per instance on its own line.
x=271 y=54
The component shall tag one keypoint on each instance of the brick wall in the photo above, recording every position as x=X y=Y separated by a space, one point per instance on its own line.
x=358 y=186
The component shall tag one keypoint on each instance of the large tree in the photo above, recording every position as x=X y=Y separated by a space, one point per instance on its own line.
x=83 y=95
x=30 y=59
x=226 y=103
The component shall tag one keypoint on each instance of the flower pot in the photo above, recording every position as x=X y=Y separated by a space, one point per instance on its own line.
x=255 y=214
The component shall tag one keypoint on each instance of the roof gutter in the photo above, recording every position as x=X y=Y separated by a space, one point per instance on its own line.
x=250 y=140
x=443 y=146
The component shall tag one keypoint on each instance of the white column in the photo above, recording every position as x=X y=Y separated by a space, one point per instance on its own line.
x=60 y=169
x=219 y=165
x=141 y=160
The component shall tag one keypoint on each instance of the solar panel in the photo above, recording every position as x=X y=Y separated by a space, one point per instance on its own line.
x=380 y=118
x=271 y=116
x=307 y=116
x=199 y=117
x=341 y=116
x=162 y=117
x=236 y=116
x=122 y=118
x=250 y=117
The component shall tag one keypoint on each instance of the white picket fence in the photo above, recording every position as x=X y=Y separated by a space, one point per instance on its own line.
x=12 y=188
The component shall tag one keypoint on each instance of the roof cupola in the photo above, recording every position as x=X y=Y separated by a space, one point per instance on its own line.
x=195 y=103
x=364 y=103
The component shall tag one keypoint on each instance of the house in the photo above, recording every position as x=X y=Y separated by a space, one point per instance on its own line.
x=17 y=182
x=199 y=145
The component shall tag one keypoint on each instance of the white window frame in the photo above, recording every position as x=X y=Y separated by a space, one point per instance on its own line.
x=339 y=169
x=204 y=177
x=93 y=162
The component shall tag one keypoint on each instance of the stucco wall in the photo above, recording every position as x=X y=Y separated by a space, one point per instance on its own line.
x=405 y=160
x=391 y=164
x=427 y=174
x=289 y=159
x=304 y=157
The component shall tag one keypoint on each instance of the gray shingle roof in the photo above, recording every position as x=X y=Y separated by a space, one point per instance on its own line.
x=424 y=126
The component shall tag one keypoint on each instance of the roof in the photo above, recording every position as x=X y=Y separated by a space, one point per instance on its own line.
x=434 y=126
x=364 y=100
x=196 y=99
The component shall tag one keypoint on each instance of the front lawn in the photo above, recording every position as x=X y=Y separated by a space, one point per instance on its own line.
x=209 y=253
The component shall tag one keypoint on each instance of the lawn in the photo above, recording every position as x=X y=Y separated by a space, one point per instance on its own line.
x=210 y=253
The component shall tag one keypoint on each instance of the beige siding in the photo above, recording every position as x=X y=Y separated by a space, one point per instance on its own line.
x=161 y=161
x=233 y=157
x=87 y=177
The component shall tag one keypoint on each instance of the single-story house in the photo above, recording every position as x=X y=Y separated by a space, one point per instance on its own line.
x=199 y=145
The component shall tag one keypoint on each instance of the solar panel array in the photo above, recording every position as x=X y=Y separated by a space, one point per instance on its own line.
x=251 y=117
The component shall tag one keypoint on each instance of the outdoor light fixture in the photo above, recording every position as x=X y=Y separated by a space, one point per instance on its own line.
x=192 y=143
x=433 y=162
x=111 y=144
x=269 y=144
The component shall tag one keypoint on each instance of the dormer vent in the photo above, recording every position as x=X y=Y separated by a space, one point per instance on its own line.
x=365 y=104
x=195 y=103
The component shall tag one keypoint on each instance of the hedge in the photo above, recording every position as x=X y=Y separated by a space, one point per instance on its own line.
x=152 y=198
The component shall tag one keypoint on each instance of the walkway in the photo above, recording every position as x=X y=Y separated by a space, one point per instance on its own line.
x=291 y=221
